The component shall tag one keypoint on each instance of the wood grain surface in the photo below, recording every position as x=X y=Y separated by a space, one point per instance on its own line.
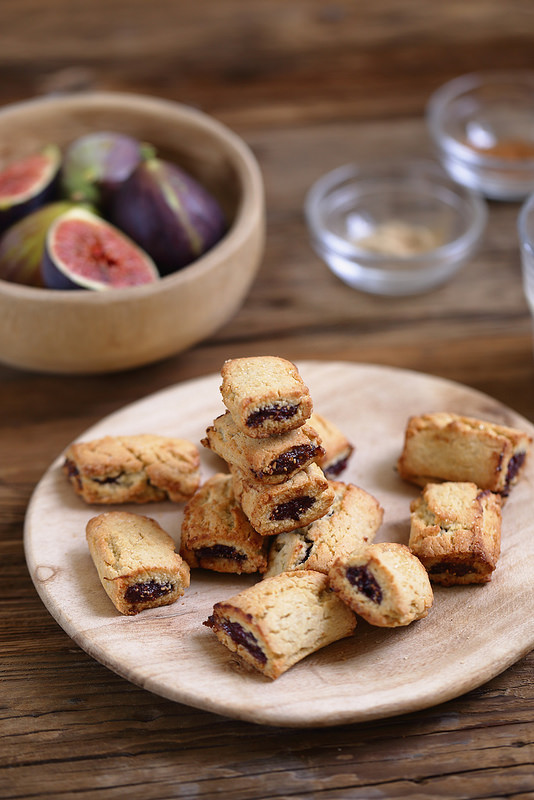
x=309 y=85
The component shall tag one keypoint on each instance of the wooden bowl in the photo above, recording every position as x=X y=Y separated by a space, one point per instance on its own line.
x=94 y=332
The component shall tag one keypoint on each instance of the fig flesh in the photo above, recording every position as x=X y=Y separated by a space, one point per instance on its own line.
x=83 y=251
x=27 y=184
x=96 y=164
x=168 y=213
x=22 y=245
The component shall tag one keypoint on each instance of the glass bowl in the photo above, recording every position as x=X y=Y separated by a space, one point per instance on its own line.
x=525 y=226
x=393 y=228
x=483 y=126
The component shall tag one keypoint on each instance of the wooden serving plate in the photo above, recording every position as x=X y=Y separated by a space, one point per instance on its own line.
x=470 y=635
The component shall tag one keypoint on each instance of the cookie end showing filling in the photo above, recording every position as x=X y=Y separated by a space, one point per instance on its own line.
x=512 y=473
x=365 y=582
x=220 y=551
x=337 y=466
x=292 y=509
x=456 y=571
x=147 y=591
x=272 y=413
x=234 y=635
x=291 y=460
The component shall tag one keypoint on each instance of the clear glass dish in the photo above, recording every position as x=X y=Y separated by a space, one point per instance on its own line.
x=525 y=225
x=483 y=127
x=395 y=228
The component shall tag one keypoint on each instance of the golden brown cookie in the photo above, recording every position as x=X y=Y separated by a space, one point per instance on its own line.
x=337 y=448
x=384 y=583
x=281 y=620
x=136 y=561
x=142 y=468
x=217 y=535
x=265 y=395
x=456 y=532
x=270 y=460
x=352 y=520
x=276 y=508
x=450 y=447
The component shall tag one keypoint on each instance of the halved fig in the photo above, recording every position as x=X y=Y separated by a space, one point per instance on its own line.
x=27 y=184
x=95 y=165
x=22 y=245
x=82 y=251
x=168 y=213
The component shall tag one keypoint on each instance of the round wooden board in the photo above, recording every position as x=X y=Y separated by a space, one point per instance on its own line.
x=470 y=635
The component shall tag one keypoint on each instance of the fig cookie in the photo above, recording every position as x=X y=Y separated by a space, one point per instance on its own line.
x=384 y=583
x=142 y=468
x=265 y=395
x=352 y=520
x=337 y=448
x=136 y=561
x=449 y=447
x=270 y=460
x=216 y=534
x=456 y=532
x=281 y=620
x=277 y=508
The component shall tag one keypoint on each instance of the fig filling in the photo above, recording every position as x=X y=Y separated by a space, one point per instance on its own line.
x=291 y=460
x=73 y=473
x=274 y=413
x=292 y=509
x=452 y=568
x=307 y=553
x=147 y=590
x=337 y=467
x=365 y=582
x=239 y=636
x=109 y=479
x=514 y=465
x=220 y=551
x=71 y=468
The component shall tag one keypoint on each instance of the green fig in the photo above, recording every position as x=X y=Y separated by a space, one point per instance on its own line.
x=22 y=245
x=96 y=164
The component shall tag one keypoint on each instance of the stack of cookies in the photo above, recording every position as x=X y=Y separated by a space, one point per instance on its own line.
x=274 y=483
x=269 y=449
x=276 y=509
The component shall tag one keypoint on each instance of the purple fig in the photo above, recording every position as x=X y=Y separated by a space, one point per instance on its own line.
x=22 y=245
x=83 y=251
x=168 y=213
x=94 y=165
x=27 y=184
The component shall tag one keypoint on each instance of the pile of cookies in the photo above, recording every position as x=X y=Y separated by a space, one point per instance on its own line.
x=467 y=467
x=279 y=510
x=276 y=512
x=274 y=509
x=274 y=457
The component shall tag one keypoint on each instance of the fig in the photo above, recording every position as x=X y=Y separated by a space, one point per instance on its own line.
x=22 y=245
x=83 y=251
x=168 y=213
x=27 y=184
x=94 y=166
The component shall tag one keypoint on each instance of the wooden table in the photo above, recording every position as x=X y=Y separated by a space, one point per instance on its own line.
x=309 y=85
